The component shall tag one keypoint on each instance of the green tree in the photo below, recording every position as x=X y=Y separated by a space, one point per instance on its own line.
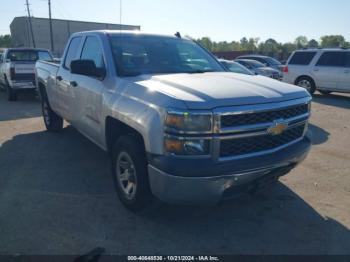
x=269 y=47
x=5 y=40
x=332 y=41
x=312 y=43
x=301 y=41
x=206 y=42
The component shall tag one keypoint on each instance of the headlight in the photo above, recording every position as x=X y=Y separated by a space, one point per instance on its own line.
x=185 y=122
x=187 y=146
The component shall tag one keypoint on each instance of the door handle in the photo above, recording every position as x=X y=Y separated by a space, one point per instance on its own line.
x=59 y=78
x=316 y=69
x=347 y=71
x=73 y=83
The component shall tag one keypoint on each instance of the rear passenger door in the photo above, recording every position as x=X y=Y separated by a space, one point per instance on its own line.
x=344 y=78
x=328 y=69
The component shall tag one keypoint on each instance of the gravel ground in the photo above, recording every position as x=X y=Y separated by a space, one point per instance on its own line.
x=56 y=197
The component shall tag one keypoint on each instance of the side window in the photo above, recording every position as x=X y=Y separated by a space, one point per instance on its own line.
x=336 y=59
x=261 y=60
x=92 y=50
x=302 y=58
x=347 y=59
x=1 y=57
x=72 y=51
x=43 y=55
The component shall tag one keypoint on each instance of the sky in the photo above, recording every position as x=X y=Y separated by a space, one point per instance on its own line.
x=221 y=20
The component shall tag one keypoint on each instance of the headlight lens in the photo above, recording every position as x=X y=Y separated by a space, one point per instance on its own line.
x=186 y=146
x=182 y=122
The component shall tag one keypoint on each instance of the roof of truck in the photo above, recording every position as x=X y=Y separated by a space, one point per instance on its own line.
x=25 y=49
x=125 y=33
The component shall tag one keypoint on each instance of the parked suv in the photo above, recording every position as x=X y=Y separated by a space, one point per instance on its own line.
x=325 y=70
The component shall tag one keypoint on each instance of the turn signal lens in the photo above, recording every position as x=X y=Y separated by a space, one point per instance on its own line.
x=173 y=146
x=187 y=146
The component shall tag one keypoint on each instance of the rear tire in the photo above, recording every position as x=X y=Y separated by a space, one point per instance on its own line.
x=130 y=174
x=307 y=83
x=324 y=92
x=53 y=122
x=11 y=94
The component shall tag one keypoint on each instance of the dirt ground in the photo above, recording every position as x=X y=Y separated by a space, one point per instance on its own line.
x=57 y=197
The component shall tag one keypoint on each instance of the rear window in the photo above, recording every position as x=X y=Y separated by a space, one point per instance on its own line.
x=302 y=58
x=28 y=55
x=336 y=59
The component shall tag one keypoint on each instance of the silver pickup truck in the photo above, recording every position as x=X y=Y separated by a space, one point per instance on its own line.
x=17 y=67
x=177 y=125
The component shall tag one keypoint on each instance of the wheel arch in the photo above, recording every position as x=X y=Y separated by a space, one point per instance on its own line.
x=115 y=128
x=305 y=76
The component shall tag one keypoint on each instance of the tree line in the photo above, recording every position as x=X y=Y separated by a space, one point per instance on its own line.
x=5 y=40
x=273 y=48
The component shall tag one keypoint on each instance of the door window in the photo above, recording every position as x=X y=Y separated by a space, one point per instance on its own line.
x=334 y=59
x=72 y=51
x=44 y=55
x=347 y=59
x=302 y=58
x=92 y=50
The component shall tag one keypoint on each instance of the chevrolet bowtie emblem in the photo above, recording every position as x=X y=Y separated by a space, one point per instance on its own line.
x=277 y=128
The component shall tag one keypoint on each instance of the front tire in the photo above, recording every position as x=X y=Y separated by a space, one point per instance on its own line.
x=130 y=175
x=307 y=83
x=53 y=122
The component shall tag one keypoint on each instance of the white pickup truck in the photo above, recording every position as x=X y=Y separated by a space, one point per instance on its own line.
x=177 y=125
x=17 y=69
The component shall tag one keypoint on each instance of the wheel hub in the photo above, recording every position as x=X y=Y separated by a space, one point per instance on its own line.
x=126 y=175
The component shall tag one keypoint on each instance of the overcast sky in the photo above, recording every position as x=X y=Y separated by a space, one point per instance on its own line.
x=219 y=19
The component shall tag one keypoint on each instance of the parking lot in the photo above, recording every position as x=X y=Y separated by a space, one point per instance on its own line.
x=57 y=197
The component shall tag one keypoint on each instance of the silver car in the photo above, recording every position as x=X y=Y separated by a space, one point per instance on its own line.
x=235 y=67
x=260 y=69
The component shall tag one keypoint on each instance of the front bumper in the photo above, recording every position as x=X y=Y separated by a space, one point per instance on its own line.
x=225 y=180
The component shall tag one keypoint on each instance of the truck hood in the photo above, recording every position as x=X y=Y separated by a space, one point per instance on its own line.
x=220 y=89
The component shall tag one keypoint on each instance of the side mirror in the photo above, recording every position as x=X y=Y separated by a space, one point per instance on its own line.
x=86 y=67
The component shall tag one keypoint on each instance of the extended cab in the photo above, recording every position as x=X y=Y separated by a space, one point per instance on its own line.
x=177 y=125
x=17 y=66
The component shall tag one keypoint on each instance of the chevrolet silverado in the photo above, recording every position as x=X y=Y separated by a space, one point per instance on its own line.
x=177 y=125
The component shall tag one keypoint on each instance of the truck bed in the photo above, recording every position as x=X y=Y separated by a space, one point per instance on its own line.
x=45 y=69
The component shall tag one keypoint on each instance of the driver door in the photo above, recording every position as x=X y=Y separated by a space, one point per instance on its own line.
x=88 y=91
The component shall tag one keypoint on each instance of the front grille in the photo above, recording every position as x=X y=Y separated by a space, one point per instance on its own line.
x=243 y=146
x=262 y=117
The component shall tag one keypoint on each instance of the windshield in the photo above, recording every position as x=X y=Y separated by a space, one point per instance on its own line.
x=253 y=63
x=136 y=55
x=28 y=55
x=236 y=68
x=273 y=61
